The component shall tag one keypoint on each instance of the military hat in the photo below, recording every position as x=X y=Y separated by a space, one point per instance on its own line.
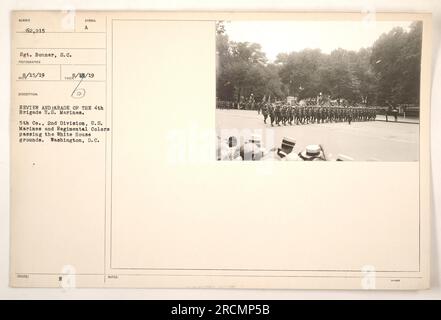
x=311 y=152
x=288 y=144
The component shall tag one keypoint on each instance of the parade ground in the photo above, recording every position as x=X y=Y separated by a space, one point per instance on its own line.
x=361 y=141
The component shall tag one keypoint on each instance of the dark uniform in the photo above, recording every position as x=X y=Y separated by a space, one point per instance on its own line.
x=272 y=114
x=349 y=115
x=265 y=112
x=278 y=114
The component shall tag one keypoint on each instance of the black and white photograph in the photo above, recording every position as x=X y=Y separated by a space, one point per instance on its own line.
x=318 y=90
x=159 y=152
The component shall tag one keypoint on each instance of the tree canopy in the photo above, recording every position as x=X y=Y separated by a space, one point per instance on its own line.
x=386 y=72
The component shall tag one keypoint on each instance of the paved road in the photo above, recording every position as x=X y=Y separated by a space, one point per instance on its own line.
x=372 y=141
x=399 y=119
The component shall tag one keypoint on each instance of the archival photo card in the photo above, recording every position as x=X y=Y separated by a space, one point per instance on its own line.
x=127 y=129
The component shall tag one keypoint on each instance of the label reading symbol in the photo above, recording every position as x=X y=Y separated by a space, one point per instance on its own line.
x=78 y=93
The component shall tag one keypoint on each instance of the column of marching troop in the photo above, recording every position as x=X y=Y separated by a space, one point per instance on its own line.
x=285 y=114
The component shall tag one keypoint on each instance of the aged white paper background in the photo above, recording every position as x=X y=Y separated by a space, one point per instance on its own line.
x=189 y=294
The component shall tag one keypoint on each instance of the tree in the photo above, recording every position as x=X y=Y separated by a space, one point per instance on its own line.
x=411 y=61
x=396 y=59
x=338 y=77
x=387 y=71
x=363 y=71
x=224 y=88
x=242 y=69
x=299 y=72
